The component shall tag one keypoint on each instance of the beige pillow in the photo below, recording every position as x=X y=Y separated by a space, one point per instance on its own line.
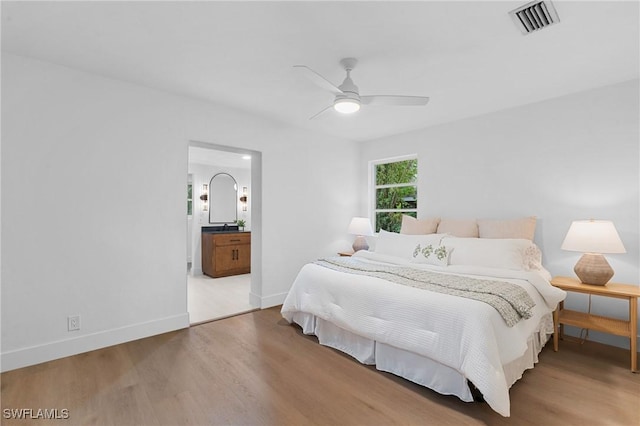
x=510 y=228
x=463 y=228
x=411 y=225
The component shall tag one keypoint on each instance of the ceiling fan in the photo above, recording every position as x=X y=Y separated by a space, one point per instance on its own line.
x=347 y=97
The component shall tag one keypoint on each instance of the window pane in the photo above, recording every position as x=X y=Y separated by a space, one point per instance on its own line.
x=391 y=221
x=400 y=193
x=398 y=172
x=404 y=197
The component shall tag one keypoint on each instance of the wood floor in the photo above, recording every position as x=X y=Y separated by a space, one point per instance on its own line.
x=255 y=369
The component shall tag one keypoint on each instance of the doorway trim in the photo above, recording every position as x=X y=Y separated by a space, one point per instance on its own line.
x=255 y=295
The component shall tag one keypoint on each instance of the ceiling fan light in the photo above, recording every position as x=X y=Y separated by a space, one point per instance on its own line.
x=346 y=106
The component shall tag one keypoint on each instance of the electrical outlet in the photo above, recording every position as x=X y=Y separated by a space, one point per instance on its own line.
x=73 y=322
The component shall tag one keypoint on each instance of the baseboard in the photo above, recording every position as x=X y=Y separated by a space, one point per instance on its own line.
x=49 y=351
x=254 y=299
x=267 y=301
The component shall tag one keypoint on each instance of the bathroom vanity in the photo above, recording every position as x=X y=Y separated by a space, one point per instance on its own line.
x=225 y=251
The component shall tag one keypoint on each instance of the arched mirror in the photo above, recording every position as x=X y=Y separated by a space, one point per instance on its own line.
x=223 y=196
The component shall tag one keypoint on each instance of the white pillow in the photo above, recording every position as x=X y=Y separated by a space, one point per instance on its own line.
x=516 y=254
x=402 y=245
x=432 y=253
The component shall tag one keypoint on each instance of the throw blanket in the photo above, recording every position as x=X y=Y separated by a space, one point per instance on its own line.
x=511 y=301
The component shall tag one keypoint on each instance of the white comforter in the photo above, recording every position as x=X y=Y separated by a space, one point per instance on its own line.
x=464 y=334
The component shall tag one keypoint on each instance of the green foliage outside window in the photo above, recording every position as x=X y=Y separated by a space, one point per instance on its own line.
x=398 y=172
x=189 y=199
x=403 y=197
x=396 y=193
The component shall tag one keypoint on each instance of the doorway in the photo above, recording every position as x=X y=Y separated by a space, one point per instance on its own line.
x=209 y=298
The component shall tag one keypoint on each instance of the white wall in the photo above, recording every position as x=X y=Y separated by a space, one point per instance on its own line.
x=93 y=193
x=93 y=173
x=202 y=174
x=574 y=157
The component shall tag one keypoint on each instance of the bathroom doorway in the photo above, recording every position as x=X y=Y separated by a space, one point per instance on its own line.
x=210 y=298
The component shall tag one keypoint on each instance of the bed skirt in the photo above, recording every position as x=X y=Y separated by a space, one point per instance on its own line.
x=417 y=368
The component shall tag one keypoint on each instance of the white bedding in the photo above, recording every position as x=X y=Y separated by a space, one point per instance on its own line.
x=466 y=335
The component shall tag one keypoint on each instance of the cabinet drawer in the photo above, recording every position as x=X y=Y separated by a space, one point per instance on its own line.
x=232 y=239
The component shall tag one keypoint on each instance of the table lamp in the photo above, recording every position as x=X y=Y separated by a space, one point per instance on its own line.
x=360 y=227
x=593 y=238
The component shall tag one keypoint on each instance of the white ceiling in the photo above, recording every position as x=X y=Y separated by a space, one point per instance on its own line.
x=467 y=56
x=214 y=157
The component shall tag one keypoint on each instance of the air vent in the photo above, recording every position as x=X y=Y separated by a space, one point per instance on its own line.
x=534 y=16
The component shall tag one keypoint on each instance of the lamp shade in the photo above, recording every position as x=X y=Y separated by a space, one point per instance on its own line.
x=593 y=236
x=360 y=226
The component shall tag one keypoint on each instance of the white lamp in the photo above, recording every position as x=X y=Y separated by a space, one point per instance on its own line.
x=361 y=227
x=593 y=237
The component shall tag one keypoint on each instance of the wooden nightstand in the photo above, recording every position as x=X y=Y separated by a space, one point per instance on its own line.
x=345 y=253
x=595 y=322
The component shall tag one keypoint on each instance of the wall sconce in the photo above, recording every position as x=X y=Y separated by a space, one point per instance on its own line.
x=243 y=199
x=204 y=196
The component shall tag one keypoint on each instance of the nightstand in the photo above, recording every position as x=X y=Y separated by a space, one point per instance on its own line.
x=618 y=327
x=345 y=253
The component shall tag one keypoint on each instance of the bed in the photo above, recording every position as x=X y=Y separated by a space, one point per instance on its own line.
x=417 y=307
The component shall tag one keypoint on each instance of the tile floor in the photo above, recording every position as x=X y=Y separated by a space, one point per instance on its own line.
x=215 y=298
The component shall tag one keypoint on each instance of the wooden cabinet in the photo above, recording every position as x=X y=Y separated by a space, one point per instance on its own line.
x=225 y=254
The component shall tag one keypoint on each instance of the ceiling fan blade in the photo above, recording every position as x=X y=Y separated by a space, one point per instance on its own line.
x=318 y=79
x=394 y=100
x=314 y=116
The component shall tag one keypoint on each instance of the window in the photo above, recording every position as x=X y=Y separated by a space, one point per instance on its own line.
x=189 y=199
x=395 y=192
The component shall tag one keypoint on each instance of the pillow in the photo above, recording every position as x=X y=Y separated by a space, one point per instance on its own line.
x=514 y=228
x=432 y=254
x=532 y=258
x=411 y=225
x=402 y=245
x=459 y=227
x=515 y=254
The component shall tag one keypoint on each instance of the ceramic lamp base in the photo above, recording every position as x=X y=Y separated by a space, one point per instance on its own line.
x=593 y=269
x=360 y=243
